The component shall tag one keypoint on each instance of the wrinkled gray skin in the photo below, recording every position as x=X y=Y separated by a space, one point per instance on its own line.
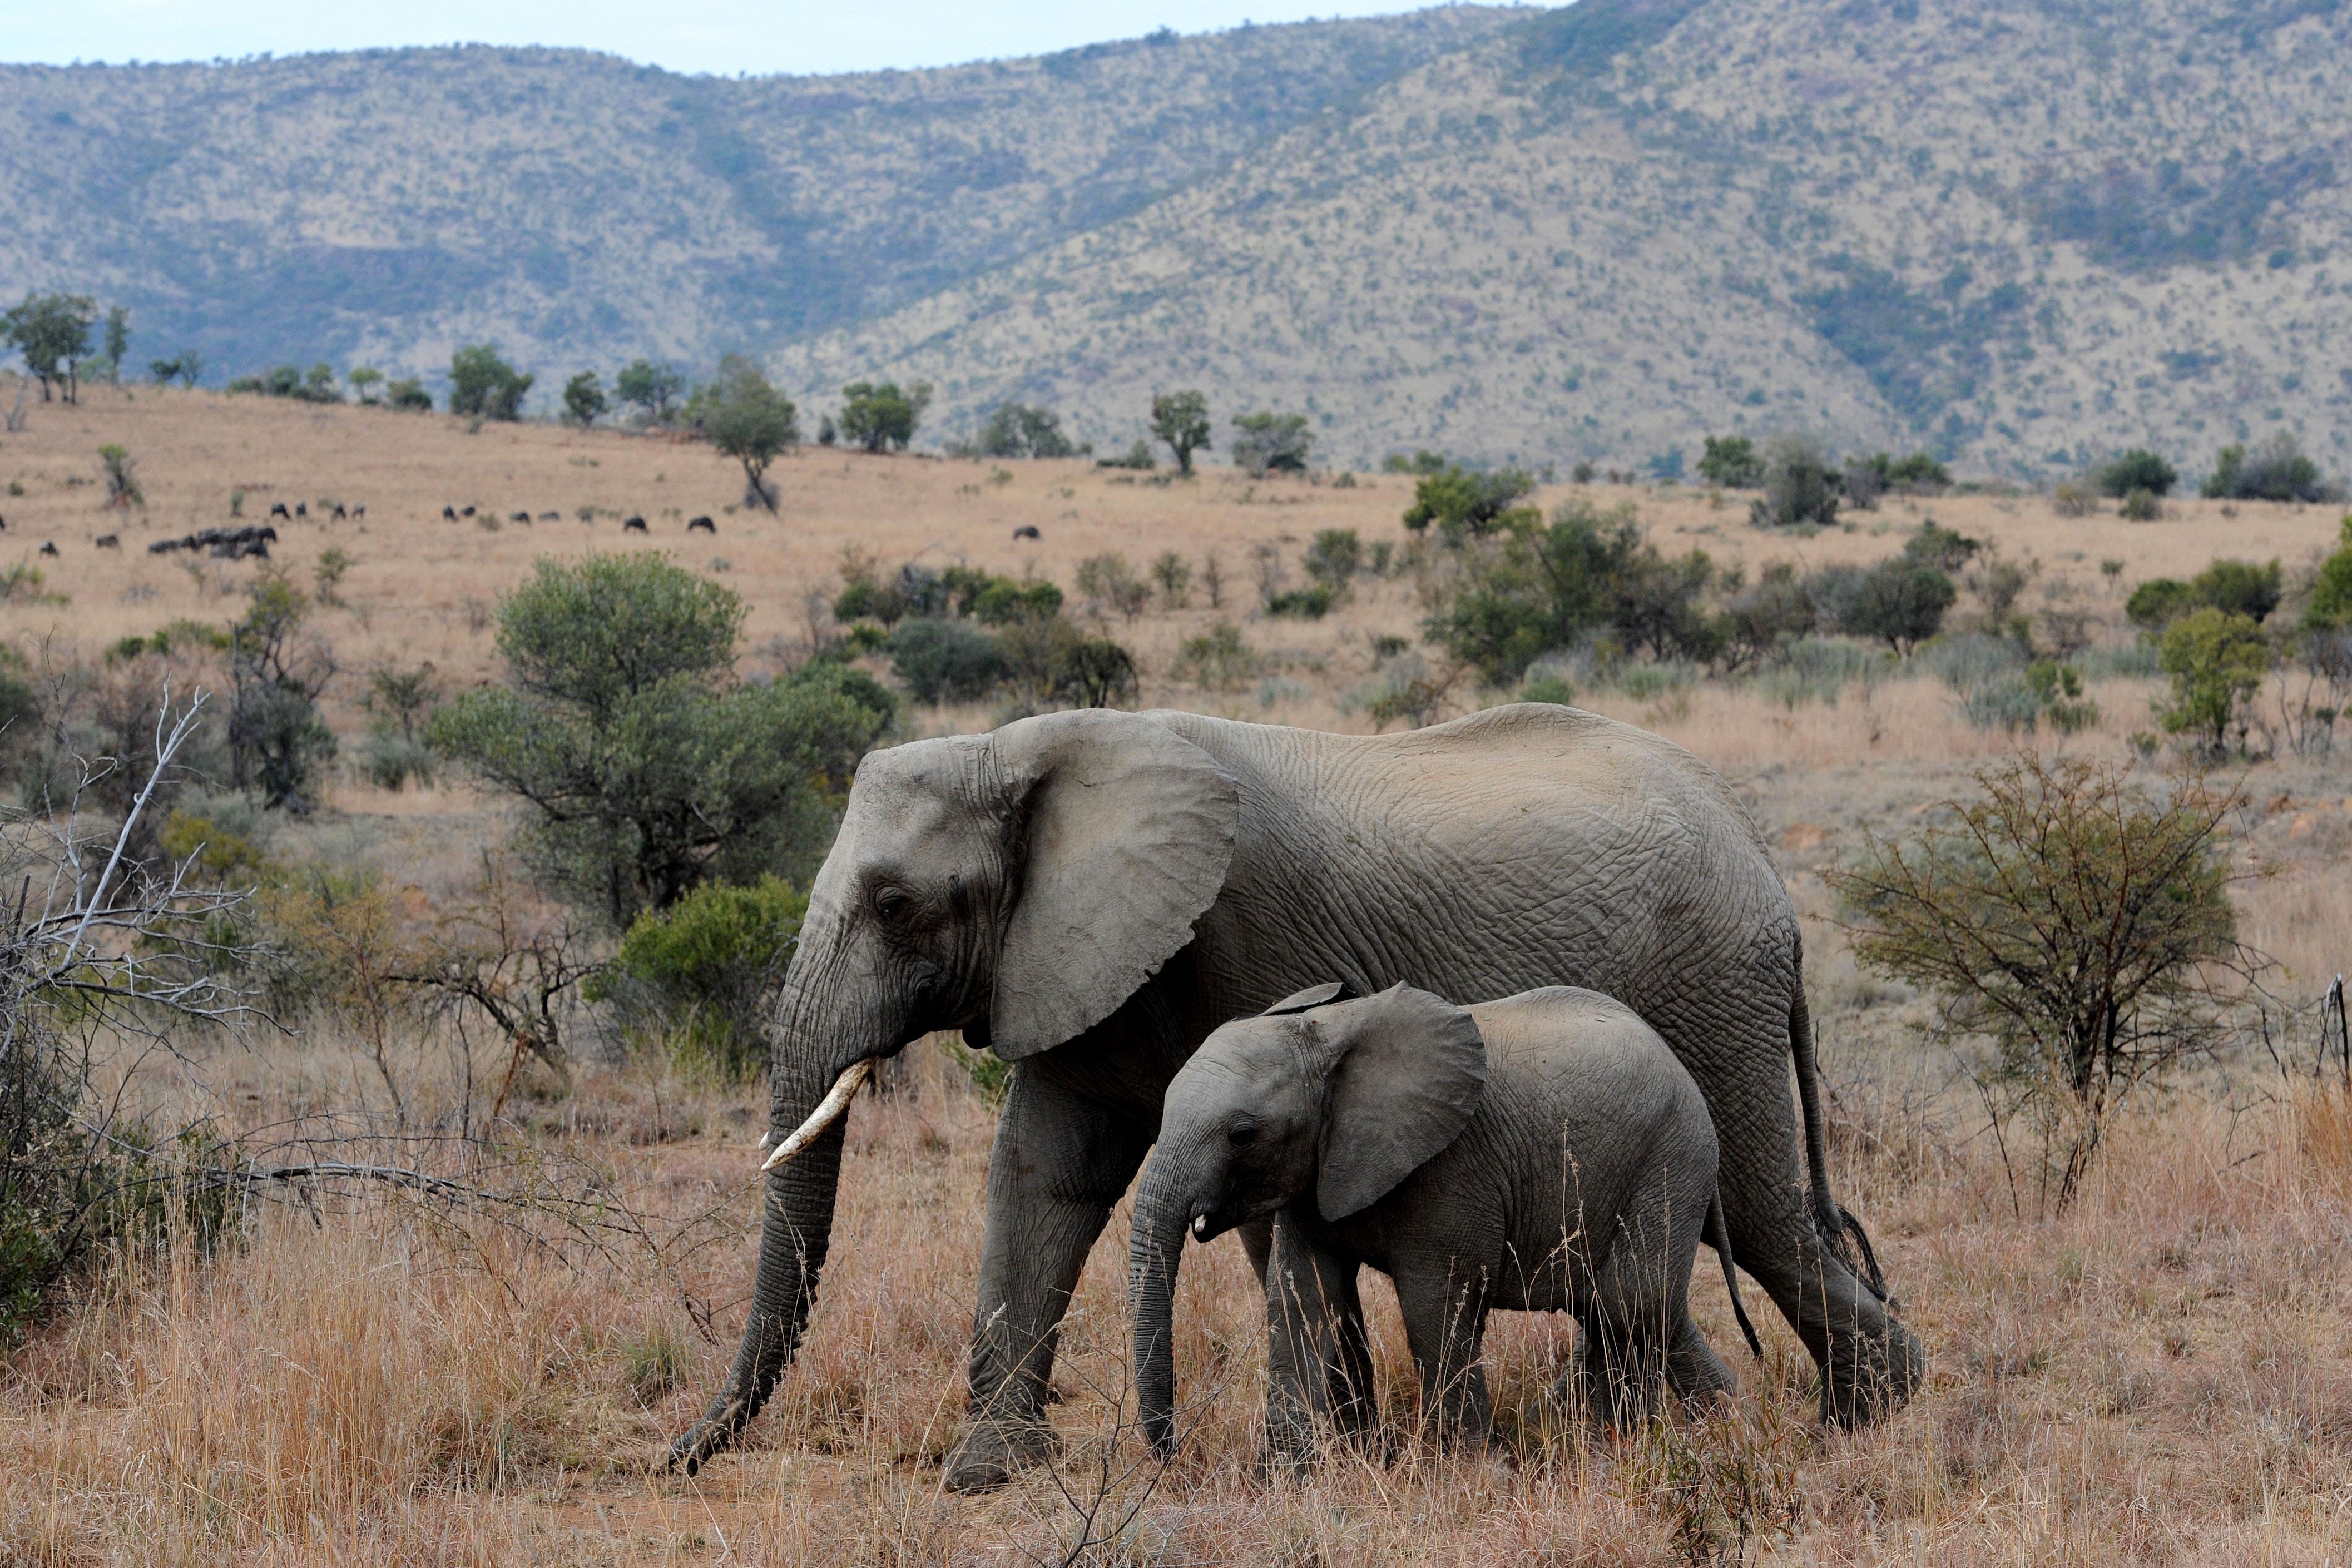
x=1542 y=1153
x=1091 y=894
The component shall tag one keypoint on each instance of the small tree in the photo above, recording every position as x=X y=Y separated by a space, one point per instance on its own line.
x=279 y=744
x=1181 y=420
x=1731 y=462
x=1270 y=442
x=1899 y=601
x=2277 y=470
x=118 y=341
x=2330 y=605
x=878 y=416
x=2138 y=469
x=1012 y=430
x=2080 y=924
x=1800 y=487
x=648 y=766
x=1467 y=505
x=2217 y=661
x=583 y=399
x=122 y=477
x=409 y=396
x=1173 y=573
x=710 y=962
x=1109 y=581
x=52 y=332
x=750 y=420
x=483 y=383
x=651 y=390
x=364 y=380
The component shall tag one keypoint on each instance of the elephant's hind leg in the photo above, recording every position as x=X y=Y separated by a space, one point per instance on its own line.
x=1059 y=1163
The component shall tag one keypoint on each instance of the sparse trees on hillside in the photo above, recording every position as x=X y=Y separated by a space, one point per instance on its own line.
x=482 y=383
x=1272 y=443
x=291 y=381
x=879 y=414
x=52 y=332
x=118 y=341
x=2138 y=469
x=651 y=390
x=1181 y=420
x=364 y=380
x=408 y=395
x=583 y=399
x=750 y=420
x=184 y=367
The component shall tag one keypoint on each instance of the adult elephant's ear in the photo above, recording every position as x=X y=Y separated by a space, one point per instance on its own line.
x=1407 y=1069
x=1124 y=831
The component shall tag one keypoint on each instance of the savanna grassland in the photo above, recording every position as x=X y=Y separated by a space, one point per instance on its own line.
x=2162 y=1373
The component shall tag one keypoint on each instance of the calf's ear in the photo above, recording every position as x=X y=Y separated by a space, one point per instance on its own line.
x=1408 y=1068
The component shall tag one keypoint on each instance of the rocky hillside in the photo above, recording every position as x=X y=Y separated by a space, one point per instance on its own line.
x=580 y=209
x=2020 y=233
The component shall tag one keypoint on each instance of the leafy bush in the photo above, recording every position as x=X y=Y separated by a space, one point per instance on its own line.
x=1310 y=603
x=1731 y=462
x=1819 y=669
x=583 y=399
x=1173 y=573
x=2139 y=506
x=1537 y=588
x=482 y=382
x=711 y=960
x=646 y=766
x=408 y=395
x=1006 y=601
x=1109 y=581
x=1015 y=430
x=1547 y=686
x=1467 y=505
x=1218 y=659
x=2330 y=605
x=2079 y=925
x=878 y=414
x=1272 y=443
x=2217 y=661
x=1760 y=622
x=946 y=661
x=1138 y=458
x=1900 y=601
x=1335 y=558
x=2236 y=587
x=2138 y=469
x=2071 y=499
x=2275 y=471
x=1946 y=550
x=1801 y=488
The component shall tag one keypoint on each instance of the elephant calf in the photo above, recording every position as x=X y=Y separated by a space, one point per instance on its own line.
x=1544 y=1152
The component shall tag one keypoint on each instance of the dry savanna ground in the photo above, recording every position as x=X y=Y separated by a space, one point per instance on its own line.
x=2164 y=1374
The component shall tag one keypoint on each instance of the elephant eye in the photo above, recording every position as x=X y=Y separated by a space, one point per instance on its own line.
x=1242 y=1133
x=892 y=905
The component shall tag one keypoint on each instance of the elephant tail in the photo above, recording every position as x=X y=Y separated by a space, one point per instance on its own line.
x=1840 y=1230
x=1719 y=1236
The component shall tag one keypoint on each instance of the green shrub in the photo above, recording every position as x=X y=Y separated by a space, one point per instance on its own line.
x=1899 y=601
x=2330 y=605
x=1464 y=505
x=1819 y=670
x=1272 y=443
x=710 y=962
x=2275 y=471
x=1109 y=581
x=409 y=396
x=1759 y=622
x=1731 y=462
x=2139 y=506
x=1007 y=602
x=2235 y=587
x=482 y=383
x=2138 y=469
x=1335 y=558
x=2217 y=660
x=656 y=1365
x=1218 y=659
x=946 y=661
x=1946 y=550
x=2158 y=602
x=1310 y=603
x=1547 y=686
x=1801 y=488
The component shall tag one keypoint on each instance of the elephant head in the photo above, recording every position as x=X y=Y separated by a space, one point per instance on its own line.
x=1019 y=886
x=1342 y=1098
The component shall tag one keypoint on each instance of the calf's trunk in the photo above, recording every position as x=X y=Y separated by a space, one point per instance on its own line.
x=1153 y=1255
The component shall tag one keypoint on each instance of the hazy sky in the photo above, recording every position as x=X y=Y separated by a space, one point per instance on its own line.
x=717 y=35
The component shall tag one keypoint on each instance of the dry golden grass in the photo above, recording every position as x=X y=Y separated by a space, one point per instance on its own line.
x=2163 y=1375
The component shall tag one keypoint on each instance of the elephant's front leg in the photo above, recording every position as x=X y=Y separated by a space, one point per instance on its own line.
x=1445 y=1326
x=1060 y=1162
x=1319 y=1362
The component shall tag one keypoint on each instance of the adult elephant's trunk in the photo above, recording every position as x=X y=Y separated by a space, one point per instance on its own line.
x=796 y=1220
x=1153 y=1255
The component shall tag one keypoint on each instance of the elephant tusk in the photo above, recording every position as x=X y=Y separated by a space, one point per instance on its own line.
x=1200 y=1224
x=828 y=1111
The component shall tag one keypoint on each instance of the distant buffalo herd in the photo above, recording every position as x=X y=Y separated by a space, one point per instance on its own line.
x=254 y=539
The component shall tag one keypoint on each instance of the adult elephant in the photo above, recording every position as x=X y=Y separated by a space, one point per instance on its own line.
x=1090 y=893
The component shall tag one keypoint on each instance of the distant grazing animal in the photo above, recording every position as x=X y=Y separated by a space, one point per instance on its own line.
x=340 y=512
x=279 y=510
x=165 y=547
x=301 y=508
x=520 y=518
x=108 y=541
x=633 y=525
x=704 y=523
x=1027 y=531
x=359 y=512
x=3 y=524
x=448 y=514
x=551 y=516
x=49 y=549
x=467 y=512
